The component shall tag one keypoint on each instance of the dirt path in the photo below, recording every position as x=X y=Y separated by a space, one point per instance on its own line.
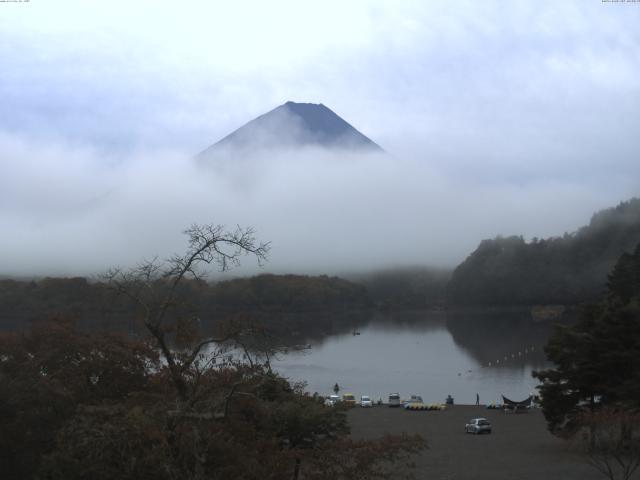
x=520 y=447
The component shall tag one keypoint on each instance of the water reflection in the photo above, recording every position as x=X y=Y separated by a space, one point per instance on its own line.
x=427 y=353
x=500 y=339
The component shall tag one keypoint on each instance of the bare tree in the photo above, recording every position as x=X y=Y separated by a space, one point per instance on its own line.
x=214 y=408
x=610 y=441
x=154 y=287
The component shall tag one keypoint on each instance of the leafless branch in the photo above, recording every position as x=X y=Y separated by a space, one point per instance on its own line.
x=611 y=441
x=153 y=284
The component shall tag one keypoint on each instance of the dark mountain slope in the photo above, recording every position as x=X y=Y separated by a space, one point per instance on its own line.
x=564 y=270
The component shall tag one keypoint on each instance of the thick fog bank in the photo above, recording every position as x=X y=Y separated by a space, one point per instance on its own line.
x=68 y=210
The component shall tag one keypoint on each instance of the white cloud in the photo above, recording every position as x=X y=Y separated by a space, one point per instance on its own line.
x=70 y=211
x=496 y=115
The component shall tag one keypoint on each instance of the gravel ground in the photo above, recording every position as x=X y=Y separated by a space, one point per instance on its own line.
x=520 y=447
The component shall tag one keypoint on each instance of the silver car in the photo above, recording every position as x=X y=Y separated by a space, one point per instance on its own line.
x=477 y=426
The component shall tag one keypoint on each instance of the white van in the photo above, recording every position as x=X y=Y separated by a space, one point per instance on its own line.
x=394 y=399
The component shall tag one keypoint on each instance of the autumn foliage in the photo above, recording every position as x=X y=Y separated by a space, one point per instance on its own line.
x=176 y=404
x=78 y=405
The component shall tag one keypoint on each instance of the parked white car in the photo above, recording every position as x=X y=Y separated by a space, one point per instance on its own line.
x=365 y=401
x=332 y=400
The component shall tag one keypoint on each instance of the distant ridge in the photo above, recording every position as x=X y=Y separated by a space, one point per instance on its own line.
x=566 y=270
x=294 y=125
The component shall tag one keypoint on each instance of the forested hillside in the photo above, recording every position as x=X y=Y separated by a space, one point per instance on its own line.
x=409 y=287
x=561 y=270
x=93 y=305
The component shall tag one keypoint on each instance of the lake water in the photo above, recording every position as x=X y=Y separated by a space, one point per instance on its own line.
x=428 y=354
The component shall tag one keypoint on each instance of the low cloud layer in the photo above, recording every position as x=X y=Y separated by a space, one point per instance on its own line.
x=71 y=211
x=517 y=118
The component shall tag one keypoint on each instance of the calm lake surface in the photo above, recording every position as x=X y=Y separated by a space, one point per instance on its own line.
x=429 y=354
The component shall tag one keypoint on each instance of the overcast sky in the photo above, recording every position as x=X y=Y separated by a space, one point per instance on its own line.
x=501 y=117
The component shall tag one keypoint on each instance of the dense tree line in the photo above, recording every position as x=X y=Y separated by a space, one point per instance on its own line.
x=409 y=287
x=592 y=394
x=597 y=360
x=288 y=302
x=273 y=299
x=571 y=269
x=287 y=292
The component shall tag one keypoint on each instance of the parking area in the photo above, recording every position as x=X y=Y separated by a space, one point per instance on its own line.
x=519 y=447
